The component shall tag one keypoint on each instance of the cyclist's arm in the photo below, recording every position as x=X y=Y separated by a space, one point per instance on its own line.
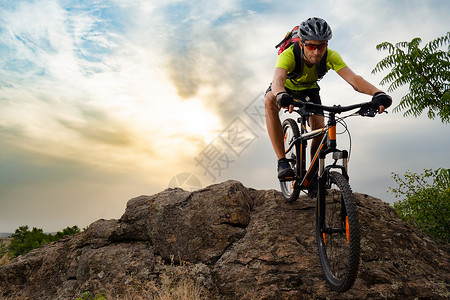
x=359 y=83
x=279 y=79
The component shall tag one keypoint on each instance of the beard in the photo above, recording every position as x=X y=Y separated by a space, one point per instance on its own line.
x=314 y=59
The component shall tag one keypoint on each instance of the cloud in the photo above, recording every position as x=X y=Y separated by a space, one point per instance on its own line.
x=97 y=127
x=203 y=52
x=90 y=91
x=52 y=193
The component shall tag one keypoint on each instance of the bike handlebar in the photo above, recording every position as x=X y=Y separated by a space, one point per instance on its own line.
x=367 y=108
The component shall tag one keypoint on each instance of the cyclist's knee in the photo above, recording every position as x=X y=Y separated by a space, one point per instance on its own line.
x=316 y=122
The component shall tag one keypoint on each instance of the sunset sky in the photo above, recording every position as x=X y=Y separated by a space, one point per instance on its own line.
x=103 y=101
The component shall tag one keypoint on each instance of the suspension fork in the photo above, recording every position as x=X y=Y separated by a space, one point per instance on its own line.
x=304 y=144
x=321 y=177
x=331 y=143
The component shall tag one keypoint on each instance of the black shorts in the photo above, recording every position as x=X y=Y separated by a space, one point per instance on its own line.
x=309 y=95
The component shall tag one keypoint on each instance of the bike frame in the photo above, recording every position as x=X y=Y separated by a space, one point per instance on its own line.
x=328 y=145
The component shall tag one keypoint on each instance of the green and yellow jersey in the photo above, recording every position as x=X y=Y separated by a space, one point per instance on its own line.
x=308 y=80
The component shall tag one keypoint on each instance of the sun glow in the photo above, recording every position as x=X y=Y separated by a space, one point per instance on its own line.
x=192 y=118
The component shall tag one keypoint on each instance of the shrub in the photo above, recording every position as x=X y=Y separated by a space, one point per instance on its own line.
x=427 y=201
x=90 y=296
x=25 y=240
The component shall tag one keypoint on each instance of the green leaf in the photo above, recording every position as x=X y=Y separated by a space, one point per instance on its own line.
x=426 y=70
x=426 y=201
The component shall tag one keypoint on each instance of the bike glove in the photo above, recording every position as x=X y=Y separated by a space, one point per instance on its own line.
x=283 y=99
x=382 y=98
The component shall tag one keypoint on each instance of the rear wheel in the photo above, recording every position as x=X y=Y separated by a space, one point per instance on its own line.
x=290 y=189
x=337 y=232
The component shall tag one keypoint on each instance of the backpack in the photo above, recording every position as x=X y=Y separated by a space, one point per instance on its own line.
x=292 y=37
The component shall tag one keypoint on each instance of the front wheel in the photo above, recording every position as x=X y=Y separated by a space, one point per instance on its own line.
x=337 y=232
x=290 y=131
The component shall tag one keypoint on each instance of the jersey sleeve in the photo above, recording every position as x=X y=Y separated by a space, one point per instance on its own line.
x=335 y=61
x=286 y=60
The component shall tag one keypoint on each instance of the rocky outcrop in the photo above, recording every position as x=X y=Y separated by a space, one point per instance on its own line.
x=235 y=242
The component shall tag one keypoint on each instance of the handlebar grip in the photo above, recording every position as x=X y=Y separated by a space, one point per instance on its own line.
x=382 y=99
x=368 y=109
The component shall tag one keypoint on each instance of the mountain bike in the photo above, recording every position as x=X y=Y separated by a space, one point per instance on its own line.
x=337 y=226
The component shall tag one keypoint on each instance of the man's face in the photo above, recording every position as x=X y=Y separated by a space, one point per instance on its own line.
x=314 y=50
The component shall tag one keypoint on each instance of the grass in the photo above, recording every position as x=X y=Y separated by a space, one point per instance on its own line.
x=177 y=282
x=177 y=285
x=5 y=260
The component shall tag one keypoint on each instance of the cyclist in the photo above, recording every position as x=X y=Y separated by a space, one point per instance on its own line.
x=315 y=34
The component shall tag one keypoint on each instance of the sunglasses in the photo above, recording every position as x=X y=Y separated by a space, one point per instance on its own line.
x=313 y=47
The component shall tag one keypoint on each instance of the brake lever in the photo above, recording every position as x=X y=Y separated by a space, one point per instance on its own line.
x=367 y=111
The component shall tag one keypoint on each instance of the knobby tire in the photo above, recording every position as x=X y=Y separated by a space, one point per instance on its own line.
x=290 y=132
x=338 y=240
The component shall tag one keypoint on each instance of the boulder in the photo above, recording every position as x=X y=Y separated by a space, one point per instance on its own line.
x=234 y=242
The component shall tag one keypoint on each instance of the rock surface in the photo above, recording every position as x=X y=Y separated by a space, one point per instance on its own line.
x=238 y=243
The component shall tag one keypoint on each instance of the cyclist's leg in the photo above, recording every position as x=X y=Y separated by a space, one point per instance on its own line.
x=275 y=130
x=316 y=122
x=273 y=124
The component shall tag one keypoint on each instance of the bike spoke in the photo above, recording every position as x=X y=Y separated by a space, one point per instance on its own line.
x=339 y=234
x=289 y=187
x=336 y=247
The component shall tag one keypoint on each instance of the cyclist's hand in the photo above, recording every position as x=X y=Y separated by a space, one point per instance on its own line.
x=284 y=100
x=382 y=100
